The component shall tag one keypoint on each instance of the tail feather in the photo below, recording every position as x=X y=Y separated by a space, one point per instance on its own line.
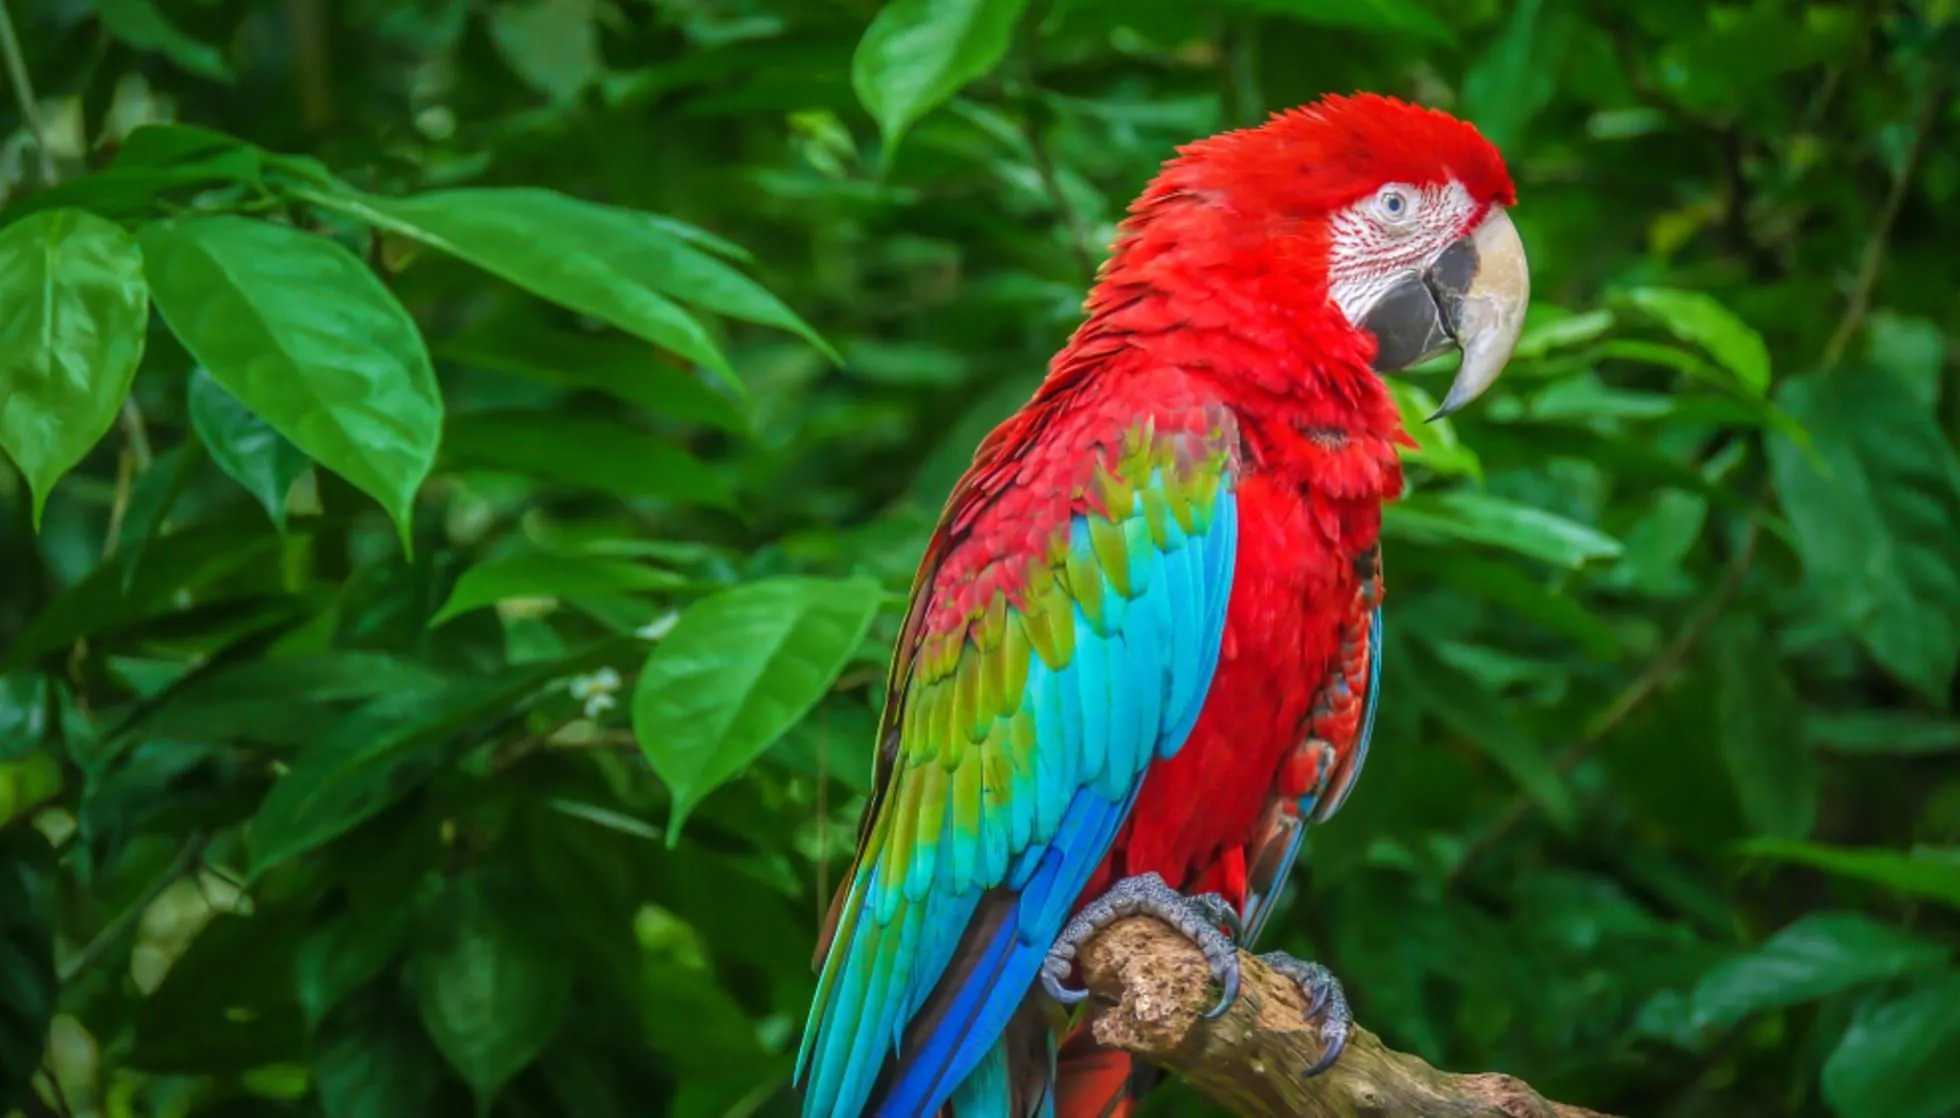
x=1092 y=1082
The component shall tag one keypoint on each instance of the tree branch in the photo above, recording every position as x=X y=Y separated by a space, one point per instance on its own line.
x=1152 y=990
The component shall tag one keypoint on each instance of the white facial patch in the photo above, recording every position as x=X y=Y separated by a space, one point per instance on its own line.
x=1396 y=230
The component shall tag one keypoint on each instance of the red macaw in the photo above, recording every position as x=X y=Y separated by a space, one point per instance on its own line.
x=1141 y=652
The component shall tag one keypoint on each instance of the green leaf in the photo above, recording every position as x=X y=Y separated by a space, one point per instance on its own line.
x=616 y=265
x=244 y=446
x=1388 y=17
x=73 y=317
x=585 y=453
x=23 y=713
x=1769 y=759
x=342 y=954
x=1821 y=954
x=739 y=669
x=28 y=986
x=370 y=1060
x=492 y=984
x=543 y=575
x=1515 y=78
x=917 y=53
x=1900 y=733
x=1437 y=446
x=1913 y=350
x=1463 y=514
x=552 y=44
x=300 y=332
x=1924 y=871
x=1901 y=1056
x=1699 y=319
x=1513 y=589
x=1879 y=525
x=142 y=25
x=150 y=500
x=366 y=761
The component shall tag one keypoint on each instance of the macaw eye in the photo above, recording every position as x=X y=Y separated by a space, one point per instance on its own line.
x=1394 y=203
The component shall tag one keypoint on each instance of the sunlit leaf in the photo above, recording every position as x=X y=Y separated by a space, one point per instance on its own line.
x=917 y=53
x=274 y=314
x=73 y=313
x=1700 y=319
x=739 y=669
x=1486 y=518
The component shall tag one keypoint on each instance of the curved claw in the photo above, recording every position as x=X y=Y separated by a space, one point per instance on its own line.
x=1226 y=971
x=1326 y=1000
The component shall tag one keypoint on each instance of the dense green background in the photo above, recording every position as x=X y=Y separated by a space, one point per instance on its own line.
x=1664 y=808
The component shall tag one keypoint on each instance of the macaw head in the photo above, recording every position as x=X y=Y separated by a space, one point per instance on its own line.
x=1388 y=217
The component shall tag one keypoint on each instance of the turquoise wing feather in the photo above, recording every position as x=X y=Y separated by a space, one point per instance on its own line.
x=1016 y=738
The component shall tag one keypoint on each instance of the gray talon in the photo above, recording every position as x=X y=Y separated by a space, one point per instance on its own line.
x=1326 y=1000
x=1196 y=918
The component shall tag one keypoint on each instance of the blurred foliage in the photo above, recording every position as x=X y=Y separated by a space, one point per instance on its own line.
x=546 y=403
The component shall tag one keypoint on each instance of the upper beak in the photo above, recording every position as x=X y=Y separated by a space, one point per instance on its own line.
x=1472 y=296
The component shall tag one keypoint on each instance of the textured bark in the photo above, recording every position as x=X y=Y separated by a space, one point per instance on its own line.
x=1152 y=989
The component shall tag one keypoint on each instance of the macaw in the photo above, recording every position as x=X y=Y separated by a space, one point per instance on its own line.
x=1142 y=650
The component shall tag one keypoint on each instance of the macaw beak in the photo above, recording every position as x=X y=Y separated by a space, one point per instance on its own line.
x=1473 y=296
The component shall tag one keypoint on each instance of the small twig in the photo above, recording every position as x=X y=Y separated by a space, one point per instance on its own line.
x=1873 y=260
x=1152 y=990
x=187 y=860
x=30 y=109
x=1658 y=672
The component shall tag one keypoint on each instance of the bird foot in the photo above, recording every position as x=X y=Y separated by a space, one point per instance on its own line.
x=1198 y=918
x=1326 y=1000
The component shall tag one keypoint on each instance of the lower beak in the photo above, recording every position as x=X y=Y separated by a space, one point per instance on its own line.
x=1473 y=296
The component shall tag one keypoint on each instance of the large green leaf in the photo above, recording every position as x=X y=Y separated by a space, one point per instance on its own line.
x=345 y=952
x=1762 y=734
x=245 y=446
x=73 y=317
x=299 y=331
x=1877 y=521
x=1437 y=445
x=28 y=987
x=738 y=669
x=917 y=53
x=1924 y=871
x=1700 y=319
x=584 y=452
x=1901 y=1056
x=544 y=575
x=617 y=265
x=1465 y=706
x=1463 y=514
x=492 y=982
x=1822 y=954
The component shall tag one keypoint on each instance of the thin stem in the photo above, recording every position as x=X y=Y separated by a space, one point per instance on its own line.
x=30 y=110
x=1873 y=260
x=187 y=861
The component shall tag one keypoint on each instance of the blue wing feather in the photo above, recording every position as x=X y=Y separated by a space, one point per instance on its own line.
x=1130 y=693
